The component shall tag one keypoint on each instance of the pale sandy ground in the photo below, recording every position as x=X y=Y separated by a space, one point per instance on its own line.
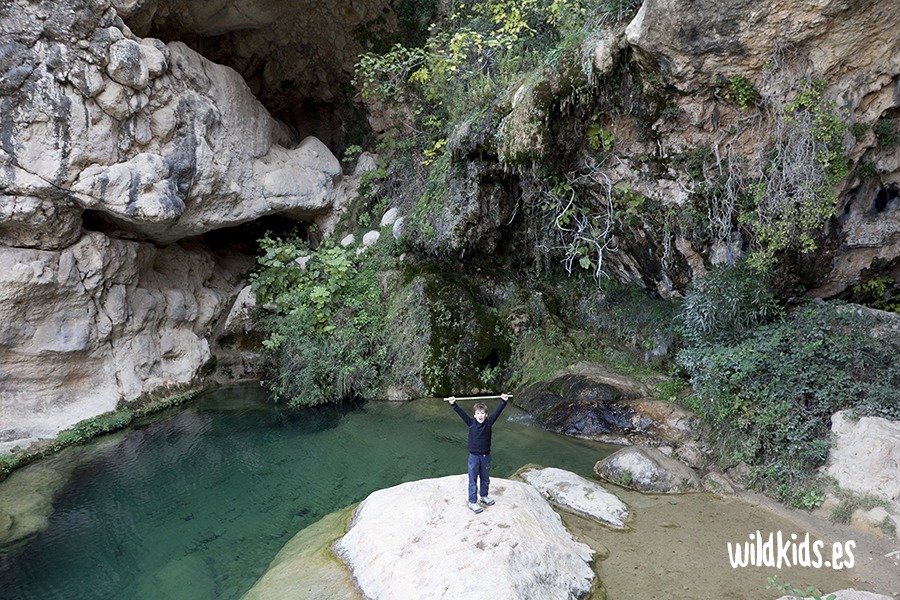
x=677 y=550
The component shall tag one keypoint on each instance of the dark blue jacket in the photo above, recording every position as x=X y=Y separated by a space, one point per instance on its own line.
x=479 y=433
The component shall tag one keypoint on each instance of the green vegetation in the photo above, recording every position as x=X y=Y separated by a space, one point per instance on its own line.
x=799 y=188
x=568 y=319
x=795 y=592
x=726 y=304
x=345 y=326
x=485 y=83
x=878 y=292
x=849 y=502
x=325 y=336
x=859 y=130
x=867 y=170
x=772 y=392
x=741 y=92
x=887 y=133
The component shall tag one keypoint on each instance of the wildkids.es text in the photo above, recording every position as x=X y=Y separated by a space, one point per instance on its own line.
x=784 y=551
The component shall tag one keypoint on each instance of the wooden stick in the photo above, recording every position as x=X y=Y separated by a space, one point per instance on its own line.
x=478 y=397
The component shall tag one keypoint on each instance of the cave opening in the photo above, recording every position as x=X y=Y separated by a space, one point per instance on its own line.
x=244 y=238
x=240 y=239
x=885 y=196
x=296 y=56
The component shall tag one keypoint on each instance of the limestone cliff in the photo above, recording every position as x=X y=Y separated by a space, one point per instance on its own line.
x=852 y=46
x=116 y=152
x=694 y=99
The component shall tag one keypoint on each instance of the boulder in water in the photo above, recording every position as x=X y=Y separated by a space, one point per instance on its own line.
x=647 y=470
x=579 y=495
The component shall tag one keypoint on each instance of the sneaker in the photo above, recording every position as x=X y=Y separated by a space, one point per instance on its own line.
x=475 y=508
x=487 y=501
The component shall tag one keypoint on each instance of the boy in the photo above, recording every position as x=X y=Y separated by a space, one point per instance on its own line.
x=479 y=448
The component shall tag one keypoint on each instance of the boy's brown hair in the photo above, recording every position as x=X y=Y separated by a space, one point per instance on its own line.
x=480 y=406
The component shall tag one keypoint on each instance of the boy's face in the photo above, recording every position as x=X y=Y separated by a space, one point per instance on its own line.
x=480 y=415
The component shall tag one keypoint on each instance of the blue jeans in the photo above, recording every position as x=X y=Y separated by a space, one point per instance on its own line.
x=479 y=468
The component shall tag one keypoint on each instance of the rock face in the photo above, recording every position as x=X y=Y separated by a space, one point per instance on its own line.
x=589 y=402
x=291 y=52
x=852 y=46
x=102 y=320
x=865 y=456
x=155 y=140
x=701 y=39
x=577 y=494
x=419 y=540
x=114 y=149
x=647 y=470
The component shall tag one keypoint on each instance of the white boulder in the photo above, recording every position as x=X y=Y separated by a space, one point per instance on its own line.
x=647 y=470
x=370 y=238
x=865 y=456
x=389 y=217
x=397 y=229
x=419 y=540
x=579 y=495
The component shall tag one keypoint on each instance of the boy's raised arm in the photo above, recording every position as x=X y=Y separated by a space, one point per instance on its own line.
x=462 y=414
x=499 y=409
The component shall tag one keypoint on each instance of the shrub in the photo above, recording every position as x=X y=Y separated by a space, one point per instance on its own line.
x=798 y=191
x=324 y=338
x=886 y=133
x=878 y=292
x=771 y=393
x=859 y=130
x=725 y=304
x=741 y=92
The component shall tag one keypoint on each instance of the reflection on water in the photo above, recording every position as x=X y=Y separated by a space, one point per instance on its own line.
x=196 y=505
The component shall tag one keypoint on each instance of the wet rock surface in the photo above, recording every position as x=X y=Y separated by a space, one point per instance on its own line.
x=599 y=405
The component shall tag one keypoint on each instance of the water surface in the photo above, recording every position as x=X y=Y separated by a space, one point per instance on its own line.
x=195 y=505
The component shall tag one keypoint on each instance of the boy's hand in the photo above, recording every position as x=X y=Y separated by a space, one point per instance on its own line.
x=451 y=399
x=504 y=397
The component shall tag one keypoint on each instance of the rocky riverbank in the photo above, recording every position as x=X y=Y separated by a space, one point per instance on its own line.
x=420 y=534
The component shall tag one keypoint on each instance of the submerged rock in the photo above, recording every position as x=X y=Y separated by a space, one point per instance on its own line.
x=419 y=540
x=579 y=495
x=306 y=568
x=26 y=497
x=647 y=470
